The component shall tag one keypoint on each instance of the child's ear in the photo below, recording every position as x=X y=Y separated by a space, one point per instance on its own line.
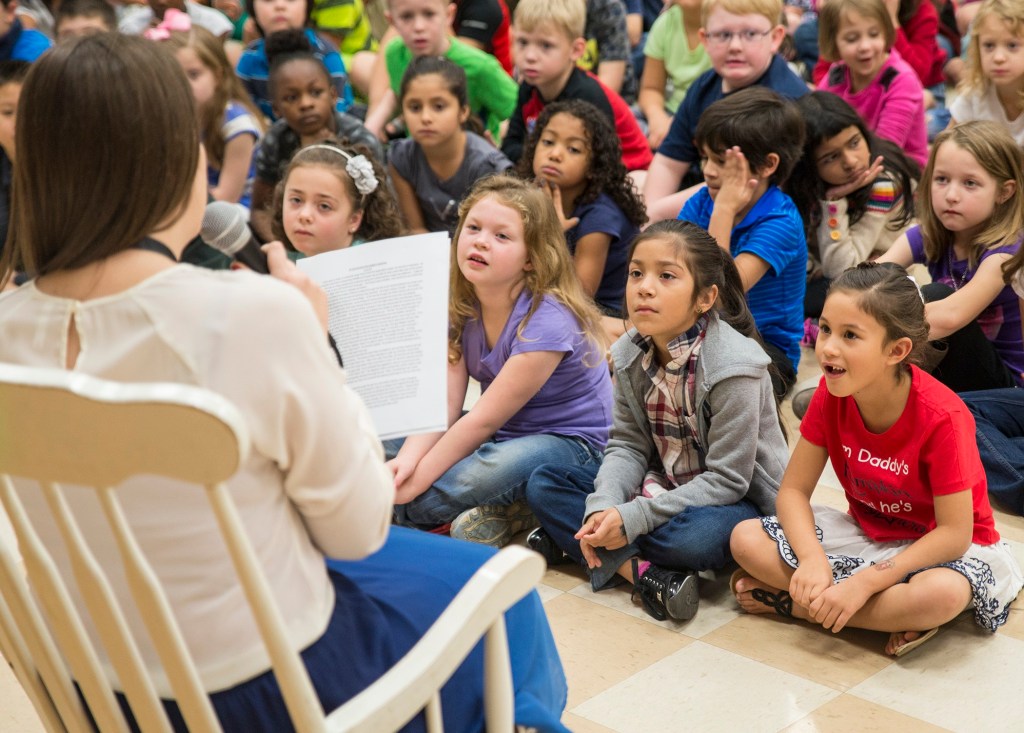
x=528 y=267
x=899 y=350
x=777 y=34
x=355 y=221
x=463 y=114
x=770 y=167
x=1007 y=190
x=706 y=300
x=577 y=49
x=333 y=91
x=450 y=11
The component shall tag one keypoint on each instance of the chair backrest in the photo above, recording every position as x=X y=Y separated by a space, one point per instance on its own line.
x=58 y=427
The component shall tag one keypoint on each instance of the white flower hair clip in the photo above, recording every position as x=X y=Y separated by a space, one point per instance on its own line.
x=359 y=169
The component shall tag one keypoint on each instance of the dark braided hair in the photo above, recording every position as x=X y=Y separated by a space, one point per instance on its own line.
x=606 y=173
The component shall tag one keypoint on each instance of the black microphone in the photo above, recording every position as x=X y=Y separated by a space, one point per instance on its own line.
x=225 y=230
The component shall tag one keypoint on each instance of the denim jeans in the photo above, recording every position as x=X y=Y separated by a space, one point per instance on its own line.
x=999 y=416
x=695 y=539
x=496 y=473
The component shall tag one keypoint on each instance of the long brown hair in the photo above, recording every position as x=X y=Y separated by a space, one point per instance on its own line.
x=551 y=273
x=108 y=148
x=210 y=51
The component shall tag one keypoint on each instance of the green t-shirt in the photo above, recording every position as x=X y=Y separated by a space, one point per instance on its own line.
x=667 y=43
x=492 y=92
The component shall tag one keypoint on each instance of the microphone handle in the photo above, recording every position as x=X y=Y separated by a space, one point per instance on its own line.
x=253 y=257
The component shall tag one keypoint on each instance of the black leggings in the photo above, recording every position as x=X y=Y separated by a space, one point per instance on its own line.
x=969 y=361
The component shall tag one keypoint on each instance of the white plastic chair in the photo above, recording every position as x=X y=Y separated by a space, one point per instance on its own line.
x=59 y=427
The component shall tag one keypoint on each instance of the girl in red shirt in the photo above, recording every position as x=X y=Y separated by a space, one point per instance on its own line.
x=918 y=544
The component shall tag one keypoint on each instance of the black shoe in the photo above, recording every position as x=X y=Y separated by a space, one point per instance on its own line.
x=540 y=541
x=667 y=593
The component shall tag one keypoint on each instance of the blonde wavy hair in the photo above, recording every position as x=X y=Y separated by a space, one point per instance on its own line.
x=997 y=153
x=1010 y=12
x=551 y=272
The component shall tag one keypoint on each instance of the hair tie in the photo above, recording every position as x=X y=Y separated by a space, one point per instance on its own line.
x=174 y=20
x=359 y=169
x=919 y=293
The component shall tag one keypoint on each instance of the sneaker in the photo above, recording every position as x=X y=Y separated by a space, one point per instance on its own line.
x=667 y=593
x=540 y=541
x=802 y=394
x=493 y=525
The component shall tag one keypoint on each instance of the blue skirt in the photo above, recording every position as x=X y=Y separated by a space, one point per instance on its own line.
x=385 y=603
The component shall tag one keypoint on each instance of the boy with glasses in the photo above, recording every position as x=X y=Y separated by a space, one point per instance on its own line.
x=742 y=38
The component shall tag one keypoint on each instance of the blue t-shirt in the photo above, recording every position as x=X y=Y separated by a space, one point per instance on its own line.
x=253 y=70
x=678 y=143
x=605 y=217
x=576 y=400
x=23 y=44
x=773 y=231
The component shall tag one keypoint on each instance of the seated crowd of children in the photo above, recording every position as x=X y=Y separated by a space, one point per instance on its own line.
x=638 y=258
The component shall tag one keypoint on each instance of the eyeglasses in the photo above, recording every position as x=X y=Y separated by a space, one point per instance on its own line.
x=724 y=38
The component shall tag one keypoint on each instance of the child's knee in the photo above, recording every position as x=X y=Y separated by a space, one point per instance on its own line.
x=944 y=592
x=746 y=537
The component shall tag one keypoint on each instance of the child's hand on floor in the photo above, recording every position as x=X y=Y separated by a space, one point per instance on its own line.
x=737 y=182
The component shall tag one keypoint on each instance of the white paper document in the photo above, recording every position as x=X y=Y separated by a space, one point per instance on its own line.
x=388 y=312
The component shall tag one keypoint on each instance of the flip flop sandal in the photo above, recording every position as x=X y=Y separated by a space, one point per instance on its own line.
x=912 y=645
x=736 y=577
x=781 y=602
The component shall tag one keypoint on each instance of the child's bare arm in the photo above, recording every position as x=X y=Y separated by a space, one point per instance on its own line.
x=407 y=202
x=234 y=170
x=793 y=505
x=589 y=260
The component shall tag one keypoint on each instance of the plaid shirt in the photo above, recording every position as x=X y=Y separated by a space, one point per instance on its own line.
x=671 y=409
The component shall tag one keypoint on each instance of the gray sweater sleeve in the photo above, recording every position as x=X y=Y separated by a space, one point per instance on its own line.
x=630 y=450
x=729 y=463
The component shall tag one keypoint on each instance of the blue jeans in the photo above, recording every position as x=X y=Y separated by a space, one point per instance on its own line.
x=496 y=473
x=695 y=539
x=999 y=416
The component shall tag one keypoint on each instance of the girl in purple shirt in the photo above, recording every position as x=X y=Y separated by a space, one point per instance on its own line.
x=522 y=327
x=972 y=220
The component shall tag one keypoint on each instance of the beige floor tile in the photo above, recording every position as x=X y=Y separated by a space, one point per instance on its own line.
x=581 y=725
x=600 y=647
x=565 y=577
x=716 y=606
x=963 y=679
x=848 y=714
x=839 y=661
x=1014 y=625
x=700 y=688
x=1011 y=526
x=547 y=593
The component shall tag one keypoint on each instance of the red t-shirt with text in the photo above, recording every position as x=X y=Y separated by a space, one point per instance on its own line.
x=890 y=478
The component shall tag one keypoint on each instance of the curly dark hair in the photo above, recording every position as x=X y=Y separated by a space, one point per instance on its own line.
x=606 y=173
x=825 y=116
x=381 y=218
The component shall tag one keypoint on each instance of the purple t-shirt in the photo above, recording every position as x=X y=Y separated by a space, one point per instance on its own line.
x=1000 y=321
x=575 y=401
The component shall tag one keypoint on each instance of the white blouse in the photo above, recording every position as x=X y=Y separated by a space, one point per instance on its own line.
x=314 y=482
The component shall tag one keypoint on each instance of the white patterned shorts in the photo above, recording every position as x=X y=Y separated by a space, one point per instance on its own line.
x=992 y=570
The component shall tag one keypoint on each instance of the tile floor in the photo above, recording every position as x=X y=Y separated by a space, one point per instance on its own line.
x=725 y=671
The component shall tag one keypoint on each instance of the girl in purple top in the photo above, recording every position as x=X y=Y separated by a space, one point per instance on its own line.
x=521 y=326
x=870 y=75
x=972 y=220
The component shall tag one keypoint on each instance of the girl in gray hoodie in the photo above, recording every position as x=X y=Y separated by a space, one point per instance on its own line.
x=697 y=445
